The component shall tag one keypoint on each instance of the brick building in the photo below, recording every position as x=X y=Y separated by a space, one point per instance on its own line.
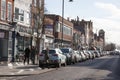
x=6 y=14
x=86 y=30
x=63 y=34
x=48 y=31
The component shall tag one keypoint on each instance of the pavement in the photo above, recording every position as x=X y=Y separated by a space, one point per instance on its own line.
x=19 y=69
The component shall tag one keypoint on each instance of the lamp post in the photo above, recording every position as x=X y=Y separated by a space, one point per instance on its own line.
x=13 y=39
x=14 y=25
x=63 y=20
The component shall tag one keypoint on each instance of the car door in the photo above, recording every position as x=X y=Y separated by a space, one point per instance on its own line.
x=62 y=57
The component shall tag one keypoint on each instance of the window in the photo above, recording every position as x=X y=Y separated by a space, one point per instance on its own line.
x=17 y=13
x=28 y=18
x=3 y=9
x=58 y=27
x=35 y=2
x=67 y=30
x=21 y=15
x=9 y=16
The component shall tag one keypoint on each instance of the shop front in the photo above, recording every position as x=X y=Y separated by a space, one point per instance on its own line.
x=22 y=40
x=5 y=46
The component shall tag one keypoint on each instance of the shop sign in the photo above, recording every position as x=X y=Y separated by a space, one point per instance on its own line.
x=4 y=27
x=49 y=29
x=25 y=30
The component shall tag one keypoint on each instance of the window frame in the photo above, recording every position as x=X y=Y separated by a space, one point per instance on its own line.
x=16 y=13
x=9 y=11
x=3 y=9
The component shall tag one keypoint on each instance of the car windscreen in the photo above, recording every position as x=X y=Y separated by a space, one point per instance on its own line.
x=50 y=51
x=65 y=50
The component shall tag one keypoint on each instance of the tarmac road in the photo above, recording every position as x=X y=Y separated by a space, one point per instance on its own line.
x=104 y=68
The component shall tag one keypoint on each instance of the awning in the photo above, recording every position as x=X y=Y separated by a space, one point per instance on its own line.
x=23 y=34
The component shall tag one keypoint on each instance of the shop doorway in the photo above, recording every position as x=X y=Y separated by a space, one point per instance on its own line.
x=3 y=49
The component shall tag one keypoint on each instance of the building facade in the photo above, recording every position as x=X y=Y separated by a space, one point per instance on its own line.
x=63 y=32
x=6 y=14
x=86 y=30
x=48 y=31
x=76 y=39
x=101 y=41
x=22 y=30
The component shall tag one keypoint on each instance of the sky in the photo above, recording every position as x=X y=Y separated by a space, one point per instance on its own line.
x=105 y=14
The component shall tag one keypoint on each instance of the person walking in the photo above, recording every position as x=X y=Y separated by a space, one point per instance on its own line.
x=33 y=53
x=46 y=57
x=27 y=55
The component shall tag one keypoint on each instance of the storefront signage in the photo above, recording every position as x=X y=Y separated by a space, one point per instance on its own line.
x=4 y=27
x=49 y=29
x=25 y=30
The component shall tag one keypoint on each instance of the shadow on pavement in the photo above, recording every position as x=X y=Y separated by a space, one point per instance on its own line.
x=27 y=67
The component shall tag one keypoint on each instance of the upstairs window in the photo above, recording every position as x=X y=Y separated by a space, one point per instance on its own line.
x=3 y=9
x=21 y=15
x=28 y=18
x=9 y=16
x=58 y=26
x=17 y=13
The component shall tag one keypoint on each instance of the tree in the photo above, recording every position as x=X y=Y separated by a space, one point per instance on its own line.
x=110 y=47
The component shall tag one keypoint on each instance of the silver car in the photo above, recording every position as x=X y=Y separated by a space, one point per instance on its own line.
x=56 y=58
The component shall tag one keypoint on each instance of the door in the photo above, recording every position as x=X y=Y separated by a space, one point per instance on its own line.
x=3 y=49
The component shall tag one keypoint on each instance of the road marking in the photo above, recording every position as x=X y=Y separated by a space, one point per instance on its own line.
x=12 y=73
x=20 y=71
x=31 y=69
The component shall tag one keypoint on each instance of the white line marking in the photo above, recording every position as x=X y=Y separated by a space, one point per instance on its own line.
x=20 y=71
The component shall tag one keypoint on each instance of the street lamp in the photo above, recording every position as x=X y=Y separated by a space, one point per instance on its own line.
x=13 y=24
x=63 y=20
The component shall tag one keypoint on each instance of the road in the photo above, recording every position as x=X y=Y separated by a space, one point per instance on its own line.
x=104 y=68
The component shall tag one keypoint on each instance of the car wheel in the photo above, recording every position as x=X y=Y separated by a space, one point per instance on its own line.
x=40 y=64
x=65 y=64
x=73 y=61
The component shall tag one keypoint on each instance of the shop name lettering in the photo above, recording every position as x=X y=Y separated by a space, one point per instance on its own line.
x=26 y=30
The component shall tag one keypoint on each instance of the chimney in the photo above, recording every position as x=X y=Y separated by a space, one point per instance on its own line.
x=77 y=18
x=68 y=18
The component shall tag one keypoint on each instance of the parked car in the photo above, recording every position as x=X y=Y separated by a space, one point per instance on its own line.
x=86 y=54
x=82 y=55
x=77 y=56
x=69 y=53
x=56 y=58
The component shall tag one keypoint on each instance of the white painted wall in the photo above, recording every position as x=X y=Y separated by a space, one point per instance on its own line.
x=25 y=6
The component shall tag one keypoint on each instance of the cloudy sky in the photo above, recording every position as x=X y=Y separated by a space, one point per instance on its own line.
x=105 y=14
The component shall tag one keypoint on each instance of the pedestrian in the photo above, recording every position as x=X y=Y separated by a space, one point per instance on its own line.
x=27 y=55
x=33 y=53
x=46 y=57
